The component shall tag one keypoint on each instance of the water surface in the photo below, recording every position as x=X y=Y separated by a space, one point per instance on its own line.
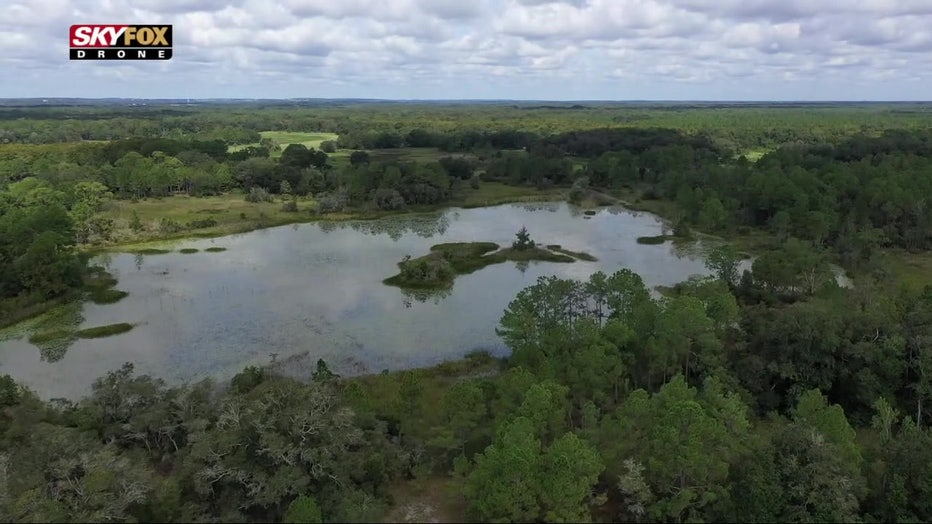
x=302 y=292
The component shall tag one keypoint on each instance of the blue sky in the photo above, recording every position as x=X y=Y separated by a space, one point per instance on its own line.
x=494 y=49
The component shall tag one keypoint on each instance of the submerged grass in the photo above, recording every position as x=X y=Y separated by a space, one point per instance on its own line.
x=653 y=240
x=104 y=331
x=49 y=336
x=580 y=255
x=107 y=296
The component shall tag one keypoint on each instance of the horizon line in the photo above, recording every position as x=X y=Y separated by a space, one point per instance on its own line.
x=365 y=99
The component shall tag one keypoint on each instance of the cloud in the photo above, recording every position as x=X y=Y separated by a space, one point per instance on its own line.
x=534 y=49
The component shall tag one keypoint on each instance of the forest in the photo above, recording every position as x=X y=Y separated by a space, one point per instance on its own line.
x=763 y=395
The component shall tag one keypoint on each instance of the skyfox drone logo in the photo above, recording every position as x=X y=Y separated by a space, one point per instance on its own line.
x=120 y=42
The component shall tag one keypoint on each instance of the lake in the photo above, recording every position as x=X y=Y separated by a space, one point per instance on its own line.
x=298 y=293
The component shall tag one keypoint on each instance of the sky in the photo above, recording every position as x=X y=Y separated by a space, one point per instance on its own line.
x=484 y=49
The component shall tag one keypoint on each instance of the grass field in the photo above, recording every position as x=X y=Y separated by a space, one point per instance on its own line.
x=754 y=155
x=234 y=215
x=231 y=212
x=912 y=270
x=284 y=138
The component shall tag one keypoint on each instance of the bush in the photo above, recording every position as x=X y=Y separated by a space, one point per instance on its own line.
x=331 y=203
x=202 y=223
x=290 y=206
x=247 y=379
x=474 y=182
x=135 y=224
x=388 y=199
x=258 y=194
x=167 y=225
x=578 y=191
x=681 y=229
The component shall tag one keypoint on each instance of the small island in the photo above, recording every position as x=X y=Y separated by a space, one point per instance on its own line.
x=439 y=268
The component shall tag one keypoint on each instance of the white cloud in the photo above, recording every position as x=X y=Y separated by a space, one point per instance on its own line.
x=491 y=48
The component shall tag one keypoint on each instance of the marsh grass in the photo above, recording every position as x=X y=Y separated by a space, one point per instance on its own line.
x=49 y=336
x=579 y=255
x=107 y=296
x=99 y=287
x=150 y=251
x=189 y=250
x=215 y=249
x=104 y=331
x=653 y=240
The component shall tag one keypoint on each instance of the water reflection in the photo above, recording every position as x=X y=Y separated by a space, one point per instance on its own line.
x=395 y=227
x=434 y=296
x=313 y=291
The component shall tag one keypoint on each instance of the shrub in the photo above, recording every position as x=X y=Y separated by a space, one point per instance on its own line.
x=167 y=225
x=135 y=224
x=331 y=204
x=258 y=194
x=202 y=223
x=290 y=206
x=388 y=199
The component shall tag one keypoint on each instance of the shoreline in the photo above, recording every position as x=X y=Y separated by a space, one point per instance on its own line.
x=247 y=226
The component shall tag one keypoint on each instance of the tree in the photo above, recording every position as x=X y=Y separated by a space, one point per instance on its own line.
x=358 y=158
x=517 y=479
x=88 y=199
x=523 y=241
x=686 y=442
x=303 y=510
x=723 y=260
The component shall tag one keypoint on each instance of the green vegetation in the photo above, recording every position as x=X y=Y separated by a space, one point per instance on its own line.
x=579 y=255
x=104 y=331
x=188 y=250
x=215 y=249
x=98 y=284
x=150 y=251
x=50 y=336
x=765 y=395
x=440 y=267
x=654 y=240
x=107 y=296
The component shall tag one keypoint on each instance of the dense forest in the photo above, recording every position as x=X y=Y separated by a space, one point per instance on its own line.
x=771 y=394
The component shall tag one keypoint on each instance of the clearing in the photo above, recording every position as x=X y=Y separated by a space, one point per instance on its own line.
x=284 y=138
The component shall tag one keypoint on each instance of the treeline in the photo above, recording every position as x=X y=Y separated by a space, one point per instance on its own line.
x=855 y=196
x=370 y=125
x=714 y=404
x=40 y=227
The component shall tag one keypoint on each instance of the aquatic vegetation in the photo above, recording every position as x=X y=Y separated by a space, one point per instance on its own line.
x=107 y=296
x=215 y=249
x=189 y=250
x=654 y=240
x=104 y=331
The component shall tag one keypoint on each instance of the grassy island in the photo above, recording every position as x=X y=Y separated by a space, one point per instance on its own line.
x=439 y=268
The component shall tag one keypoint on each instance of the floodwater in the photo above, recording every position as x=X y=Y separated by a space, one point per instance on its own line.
x=294 y=294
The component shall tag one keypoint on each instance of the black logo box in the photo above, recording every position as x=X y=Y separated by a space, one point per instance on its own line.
x=140 y=53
